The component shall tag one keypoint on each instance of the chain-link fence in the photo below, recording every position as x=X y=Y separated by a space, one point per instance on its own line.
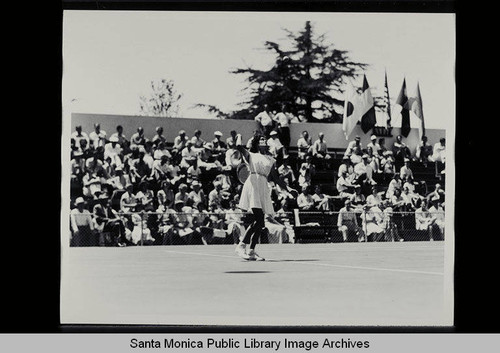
x=203 y=228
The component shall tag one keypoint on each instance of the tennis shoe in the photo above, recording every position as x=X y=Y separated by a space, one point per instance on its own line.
x=241 y=251
x=253 y=256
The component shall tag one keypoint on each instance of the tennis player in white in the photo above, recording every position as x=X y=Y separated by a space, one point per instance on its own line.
x=256 y=194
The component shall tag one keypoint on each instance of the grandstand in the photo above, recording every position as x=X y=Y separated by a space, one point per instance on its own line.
x=93 y=172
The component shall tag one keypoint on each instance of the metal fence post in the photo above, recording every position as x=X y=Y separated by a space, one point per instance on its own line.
x=142 y=230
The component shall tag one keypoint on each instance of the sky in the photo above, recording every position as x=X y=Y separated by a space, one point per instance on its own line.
x=110 y=58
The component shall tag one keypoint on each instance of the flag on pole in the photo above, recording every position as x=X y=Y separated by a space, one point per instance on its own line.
x=387 y=103
x=368 y=120
x=358 y=107
x=415 y=104
x=350 y=118
x=402 y=101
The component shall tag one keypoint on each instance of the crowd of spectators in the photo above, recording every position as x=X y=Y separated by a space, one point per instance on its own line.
x=127 y=191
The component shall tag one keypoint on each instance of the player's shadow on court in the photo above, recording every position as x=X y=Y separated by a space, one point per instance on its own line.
x=247 y=272
x=292 y=260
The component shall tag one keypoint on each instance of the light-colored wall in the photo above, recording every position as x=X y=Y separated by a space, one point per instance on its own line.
x=334 y=135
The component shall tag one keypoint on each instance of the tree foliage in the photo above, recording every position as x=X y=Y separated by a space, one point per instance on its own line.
x=163 y=99
x=306 y=80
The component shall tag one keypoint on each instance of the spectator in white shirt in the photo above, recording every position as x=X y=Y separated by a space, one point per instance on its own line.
x=113 y=150
x=283 y=119
x=79 y=135
x=405 y=172
x=344 y=187
x=439 y=151
x=264 y=123
x=304 y=145
x=180 y=141
x=138 y=139
x=305 y=201
x=159 y=136
x=275 y=146
x=374 y=145
x=356 y=143
x=81 y=224
x=98 y=136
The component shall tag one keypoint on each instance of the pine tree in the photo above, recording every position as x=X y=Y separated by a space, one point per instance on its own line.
x=307 y=80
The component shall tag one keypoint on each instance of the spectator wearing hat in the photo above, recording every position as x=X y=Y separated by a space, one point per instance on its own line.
x=347 y=222
x=400 y=149
x=197 y=194
x=405 y=172
x=81 y=223
x=159 y=136
x=304 y=146
x=275 y=145
x=320 y=151
x=138 y=138
x=206 y=159
x=373 y=145
x=98 y=136
x=219 y=144
x=180 y=141
x=113 y=151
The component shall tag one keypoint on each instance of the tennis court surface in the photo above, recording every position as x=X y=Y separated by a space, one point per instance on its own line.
x=366 y=284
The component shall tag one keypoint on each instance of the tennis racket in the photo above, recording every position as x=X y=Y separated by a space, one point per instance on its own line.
x=242 y=172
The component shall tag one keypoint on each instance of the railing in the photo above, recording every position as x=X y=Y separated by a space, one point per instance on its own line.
x=205 y=228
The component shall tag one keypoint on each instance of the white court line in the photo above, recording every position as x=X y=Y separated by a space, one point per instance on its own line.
x=318 y=264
